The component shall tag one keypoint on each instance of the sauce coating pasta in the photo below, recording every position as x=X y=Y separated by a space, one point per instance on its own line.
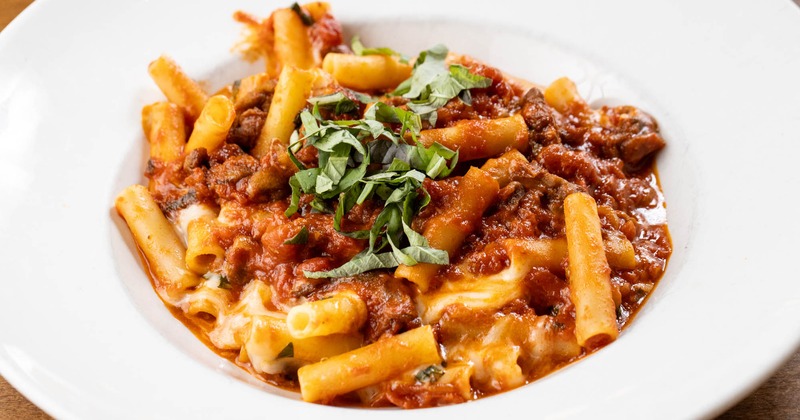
x=393 y=246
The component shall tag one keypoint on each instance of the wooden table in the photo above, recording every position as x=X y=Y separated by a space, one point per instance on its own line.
x=778 y=398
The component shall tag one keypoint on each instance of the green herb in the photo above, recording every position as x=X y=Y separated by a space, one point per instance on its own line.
x=359 y=49
x=220 y=279
x=300 y=239
x=304 y=17
x=235 y=88
x=430 y=374
x=410 y=123
x=432 y=83
x=340 y=103
x=337 y=102
x=342 y=180
x=287 y=351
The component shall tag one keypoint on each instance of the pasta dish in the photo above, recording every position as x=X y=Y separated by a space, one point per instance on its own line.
x=374 y=229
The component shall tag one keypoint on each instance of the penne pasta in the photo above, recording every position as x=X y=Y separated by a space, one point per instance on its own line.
x=211 y=127
x=233 y=325
x=202 y=247
x=291 y=92
x=340 y=313
x=369 y=72
x=619 y=252
x=158 y=242
x=266 y=339
x=500 y=168
x=458 y=375
x=252 y=84
x=163 y=124
x=179 y=88
x=563 y=95
x=212 y=300
x=589 y=282
x=368 y=365
x=478 y=139
x=476 y=192
x=189 y=214
x=270 y=348
x=317 y=9
x=292 y=46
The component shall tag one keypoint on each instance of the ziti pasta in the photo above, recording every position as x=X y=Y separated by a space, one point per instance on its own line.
x=372 y=229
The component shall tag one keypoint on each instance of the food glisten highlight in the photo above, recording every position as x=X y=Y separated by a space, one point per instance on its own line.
x=377 y=230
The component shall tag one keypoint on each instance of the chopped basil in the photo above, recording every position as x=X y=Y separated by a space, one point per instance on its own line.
x=340 y=103
x=304 y=17
x=300 y=239
x=432 y=83
x=359 y=49
x=235 y=88
x=218 y=280
x=287 y=351
x=342 y=180
x=430 y=374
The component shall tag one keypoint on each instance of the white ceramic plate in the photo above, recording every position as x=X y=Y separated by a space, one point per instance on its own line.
x=83 y=335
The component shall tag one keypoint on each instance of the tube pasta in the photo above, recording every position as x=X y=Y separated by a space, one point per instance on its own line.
x=158 y=241
x=590 y=285
x=191 y=213
x=478 y=139
x=545 y=345
x=563 y=95
x=292 y=46
x=341 y=313
x=163 y=125
x=251 y=85
x=368 y=365
x=314 y=349
x=476 y=191
x=209 y=299
x=211 y=127
x=202 y=247
x=497 y=367
x=551 y=252
x=620 y=252
x=458 y=375
x=317 y=9
x=369 y=72
x=291 y=92
x=266 y=339
x=500 y=168
x=269 y=337
x=177 y=86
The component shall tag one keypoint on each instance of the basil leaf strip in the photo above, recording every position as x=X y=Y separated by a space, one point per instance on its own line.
x=359 y=49
x=433 y=83
x=300 y=239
